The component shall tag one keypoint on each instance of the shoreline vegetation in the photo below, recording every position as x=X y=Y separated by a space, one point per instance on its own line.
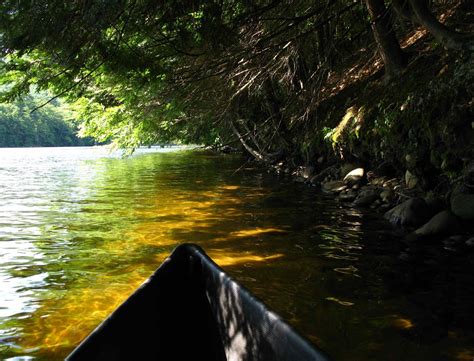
x=383 y=89
x=425 y=217
x=420 y=217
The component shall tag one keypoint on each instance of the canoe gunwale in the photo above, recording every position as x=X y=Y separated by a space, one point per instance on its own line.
x=190 y=300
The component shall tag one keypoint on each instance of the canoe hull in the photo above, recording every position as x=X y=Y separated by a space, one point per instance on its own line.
x=190 y=309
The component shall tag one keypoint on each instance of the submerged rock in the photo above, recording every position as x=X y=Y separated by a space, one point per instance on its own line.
x=333 y=186
x=347 y=196
x=442 y=223
x=413 y=212
x=367 y=196
x=455 y=241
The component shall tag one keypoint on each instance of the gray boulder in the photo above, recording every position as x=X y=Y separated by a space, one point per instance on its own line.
x=410 y=180
x=367 y=196
x=387 y=195
x=307 y=172
x=462 y=205
x=442 y=223
x=470 y=242
x=346 y=168
x=411 y=213
x=435 y=203
x=354 y=176
x=348 y=196
x=333 y=186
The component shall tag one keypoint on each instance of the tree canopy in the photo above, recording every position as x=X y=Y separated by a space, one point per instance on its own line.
x=142 y=71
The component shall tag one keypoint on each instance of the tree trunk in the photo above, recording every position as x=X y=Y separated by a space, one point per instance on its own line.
x=450 y=39
x=392 y=55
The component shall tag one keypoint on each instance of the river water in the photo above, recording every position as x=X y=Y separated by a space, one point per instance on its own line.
x=81 y=228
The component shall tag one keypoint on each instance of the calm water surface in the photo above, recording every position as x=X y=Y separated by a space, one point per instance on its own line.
x=81 y=228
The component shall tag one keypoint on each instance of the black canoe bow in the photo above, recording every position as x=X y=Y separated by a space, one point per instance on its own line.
x=190 y=309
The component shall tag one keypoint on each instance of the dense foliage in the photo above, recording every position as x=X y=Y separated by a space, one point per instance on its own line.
x=49 y=126
x=278 y=76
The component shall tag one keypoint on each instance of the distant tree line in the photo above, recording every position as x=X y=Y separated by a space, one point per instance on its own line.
x=48 y=126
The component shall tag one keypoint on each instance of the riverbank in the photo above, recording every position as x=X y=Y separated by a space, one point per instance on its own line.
x=403 y=147
x=439 y=218
x=430 y=238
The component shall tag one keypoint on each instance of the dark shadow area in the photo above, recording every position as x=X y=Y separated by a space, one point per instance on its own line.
x=439 y=288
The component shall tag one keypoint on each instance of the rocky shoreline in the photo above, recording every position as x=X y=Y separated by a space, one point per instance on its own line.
x=446 y=220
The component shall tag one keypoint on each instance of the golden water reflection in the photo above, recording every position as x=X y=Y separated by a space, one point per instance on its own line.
x=164 y=221
x=98 y=227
